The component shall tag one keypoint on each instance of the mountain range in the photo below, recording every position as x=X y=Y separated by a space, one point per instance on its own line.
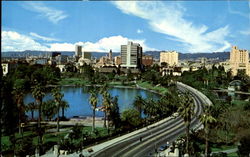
x=156 y=54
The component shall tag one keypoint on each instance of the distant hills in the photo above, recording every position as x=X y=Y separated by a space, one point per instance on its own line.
x=156 y=54
x=219 y=55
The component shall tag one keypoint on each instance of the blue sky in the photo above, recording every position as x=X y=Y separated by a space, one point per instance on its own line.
x=185 y=26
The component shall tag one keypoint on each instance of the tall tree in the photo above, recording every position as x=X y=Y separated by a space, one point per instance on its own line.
x=64 y=105
x=19 y=94
x=93 y=101
x=38 y=93
x=31 y=107
x=49 y=109
x=114 y=113
x=58 y=99
x=206 y=119
x=105 y=101
x=139 y=104
x=186 y=110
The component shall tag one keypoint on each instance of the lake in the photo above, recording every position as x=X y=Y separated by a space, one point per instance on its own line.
x=78 y=99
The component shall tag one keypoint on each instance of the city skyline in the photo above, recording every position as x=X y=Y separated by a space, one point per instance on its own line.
x=205 y=26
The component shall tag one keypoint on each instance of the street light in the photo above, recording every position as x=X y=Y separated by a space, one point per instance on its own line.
x=22 y=126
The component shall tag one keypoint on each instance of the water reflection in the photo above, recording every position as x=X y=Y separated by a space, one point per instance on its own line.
x=78 y=99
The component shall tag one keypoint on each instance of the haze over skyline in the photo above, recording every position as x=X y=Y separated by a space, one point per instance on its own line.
x=185 y=26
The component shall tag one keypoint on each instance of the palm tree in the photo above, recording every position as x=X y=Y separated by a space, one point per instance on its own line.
x=139 y=104
x=186 y=110
x=18 y=93
x=58 y=99
x=114 y=113
x=31 y=107
x=93 y=101
x=38 y=94
x=206 y=119
x=105 y=95
x=106 y=104
x=49 y=109
x=64 y=105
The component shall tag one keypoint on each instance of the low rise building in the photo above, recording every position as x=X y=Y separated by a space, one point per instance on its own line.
x=118 y=60
x=147 y=60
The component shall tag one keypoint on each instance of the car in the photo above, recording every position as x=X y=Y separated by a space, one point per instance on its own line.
x=176 y=114
x=163 y=147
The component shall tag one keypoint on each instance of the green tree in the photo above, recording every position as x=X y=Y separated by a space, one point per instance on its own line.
x=105 y=101
x=49 y=109
x=206 y=119
x=58 y=99
x=139 y=104
x=93 y=101
x=186 y=110
x=244 y=150
x=131 y=117
x=31 y=107
x=150 y=108
x=24 y=147
x=114 y=113
x=64 y=105
x=19 y=94
x=38 y=93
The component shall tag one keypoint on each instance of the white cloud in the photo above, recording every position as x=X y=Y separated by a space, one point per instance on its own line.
x=13 y=41
x=139 y=31
x=169 y=19
x=245 y=32
x=52 y=14
x=42 y=37
x=103 y=45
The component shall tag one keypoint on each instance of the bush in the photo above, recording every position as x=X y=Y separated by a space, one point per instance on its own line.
x=244 y=146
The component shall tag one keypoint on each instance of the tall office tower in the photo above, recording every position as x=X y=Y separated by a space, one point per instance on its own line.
x=131 y=55
x=239 y=60
x=78 y=51
x=110 y=55
x=170 y=57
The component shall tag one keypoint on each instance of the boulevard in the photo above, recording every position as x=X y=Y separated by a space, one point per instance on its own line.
x=154 y=137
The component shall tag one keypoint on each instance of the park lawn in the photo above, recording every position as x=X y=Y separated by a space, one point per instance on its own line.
x=239 y=102
x=222 y=148
x=48 y=137
x=232 y=154
x=115 y=83
x=73 y=81
x=101 y=131
x=51 y=137
x=147 y=85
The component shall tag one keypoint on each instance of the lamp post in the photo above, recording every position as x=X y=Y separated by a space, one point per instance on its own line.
x=22 y=126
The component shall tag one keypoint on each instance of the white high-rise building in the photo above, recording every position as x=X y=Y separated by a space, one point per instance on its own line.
x=131 y=55
x=78 y=51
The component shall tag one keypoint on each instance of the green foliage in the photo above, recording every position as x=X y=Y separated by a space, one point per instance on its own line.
x=24 y=147
x=203 y=78
x=88 y=73
x=131 y=117
x=9 y=109
x=76 y=132
x=114 y=114
x=244 y=146
x=221 y=154
x=49 y=109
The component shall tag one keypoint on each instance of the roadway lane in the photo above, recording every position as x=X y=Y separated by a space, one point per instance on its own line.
x=153 y=137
